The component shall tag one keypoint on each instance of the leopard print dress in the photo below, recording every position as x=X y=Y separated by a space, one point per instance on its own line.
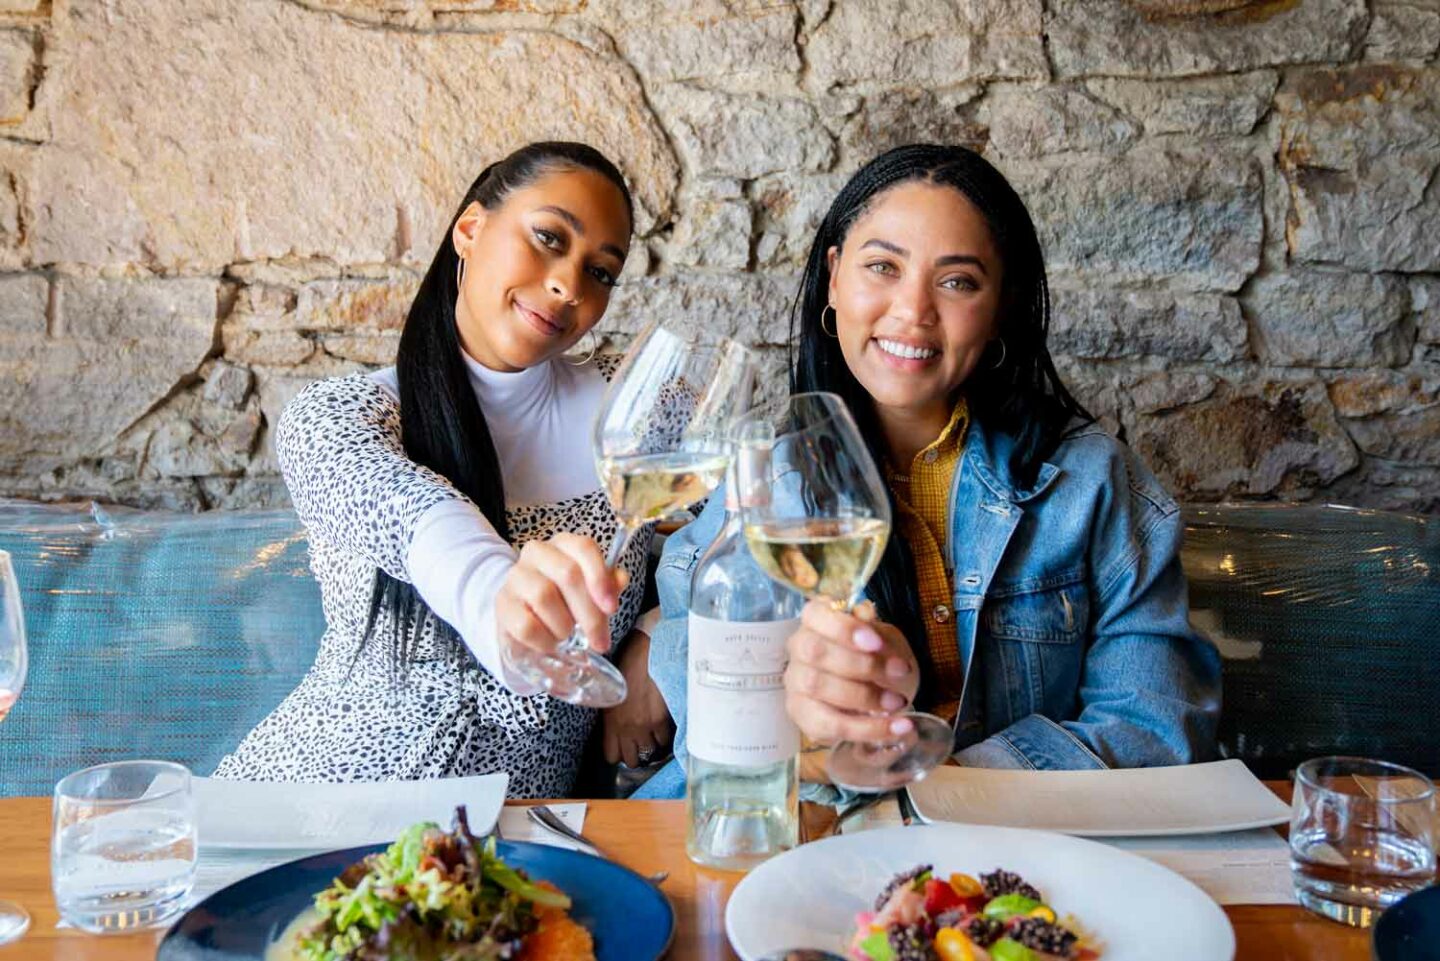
x=355 y=717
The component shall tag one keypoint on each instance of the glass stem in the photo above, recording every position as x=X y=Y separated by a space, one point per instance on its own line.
x=618 y=544
x=575 y=643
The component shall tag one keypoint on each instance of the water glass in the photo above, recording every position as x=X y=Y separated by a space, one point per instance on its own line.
x=1362 y=836
x=122 y=855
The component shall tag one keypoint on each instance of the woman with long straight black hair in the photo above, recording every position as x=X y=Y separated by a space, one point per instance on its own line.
x=1031 y=592
x=448 y=513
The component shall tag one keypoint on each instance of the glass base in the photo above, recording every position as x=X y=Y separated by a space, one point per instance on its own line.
x=1357 y=906
x=878 y=768
x=737 y=839
x=103 y=914
x=14 y=922
x=583 y=677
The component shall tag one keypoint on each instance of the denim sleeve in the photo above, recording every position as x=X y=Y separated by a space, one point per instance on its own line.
x=669 y=645
x=1150 y=685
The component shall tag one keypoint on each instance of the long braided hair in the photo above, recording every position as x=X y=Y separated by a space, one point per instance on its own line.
x=1022 y=395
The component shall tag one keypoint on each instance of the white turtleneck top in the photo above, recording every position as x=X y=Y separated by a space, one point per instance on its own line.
x=539 y=420
x=397 y=698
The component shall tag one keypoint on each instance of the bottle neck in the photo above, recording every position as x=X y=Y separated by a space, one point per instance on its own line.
x=732 y=494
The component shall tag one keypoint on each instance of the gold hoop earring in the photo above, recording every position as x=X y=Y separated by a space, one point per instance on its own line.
x=459 y=272
x=594 y=346
x=828 y=333
x=999 y=363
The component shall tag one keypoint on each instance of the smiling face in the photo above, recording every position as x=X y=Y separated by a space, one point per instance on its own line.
x=916 y=294
x=539 y=268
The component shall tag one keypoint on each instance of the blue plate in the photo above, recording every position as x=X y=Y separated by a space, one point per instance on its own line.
x=628 y=916
x=1410 y=930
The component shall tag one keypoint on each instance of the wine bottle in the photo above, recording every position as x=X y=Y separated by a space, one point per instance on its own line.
x=742 y=774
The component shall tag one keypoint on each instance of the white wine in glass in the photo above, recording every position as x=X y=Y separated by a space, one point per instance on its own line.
x=817 y=519
x=660 y=446
x=649 y=487
x=823 y=556
x=14 y=921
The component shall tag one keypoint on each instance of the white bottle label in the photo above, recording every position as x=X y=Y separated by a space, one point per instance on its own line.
x=736 y=692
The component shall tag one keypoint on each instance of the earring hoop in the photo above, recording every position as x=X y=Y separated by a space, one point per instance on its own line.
x=828 y=333
x=594 y=346
x=459 y=272
x=999 y=363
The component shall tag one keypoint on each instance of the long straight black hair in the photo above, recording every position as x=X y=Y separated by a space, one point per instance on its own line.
x=1017 y=392
x=442 y=426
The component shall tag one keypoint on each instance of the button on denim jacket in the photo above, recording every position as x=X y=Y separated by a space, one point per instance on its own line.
x=1068 y=598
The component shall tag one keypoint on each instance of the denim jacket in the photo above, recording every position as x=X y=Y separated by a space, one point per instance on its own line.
x=1068 y=599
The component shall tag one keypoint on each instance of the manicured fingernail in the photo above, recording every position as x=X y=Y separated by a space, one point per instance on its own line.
x=891 y=701
x=896 y=667
x=867 y=640
x=901 y=725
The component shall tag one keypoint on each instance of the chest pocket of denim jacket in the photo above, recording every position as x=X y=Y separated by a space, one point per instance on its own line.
x=1049 y=610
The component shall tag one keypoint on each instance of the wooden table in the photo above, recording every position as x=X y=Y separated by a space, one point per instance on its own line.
x=646 y=835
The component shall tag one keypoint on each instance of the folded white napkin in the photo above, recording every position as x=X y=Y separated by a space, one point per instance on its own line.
x=1186 y=799
x=276 y=816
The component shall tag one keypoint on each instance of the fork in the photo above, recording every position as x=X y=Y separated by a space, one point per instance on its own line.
x=548 y=819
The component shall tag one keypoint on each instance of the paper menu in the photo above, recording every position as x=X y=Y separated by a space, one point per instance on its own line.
x=1188 y=799
x=277 y=816
x=1238 y=867
x=515 y=825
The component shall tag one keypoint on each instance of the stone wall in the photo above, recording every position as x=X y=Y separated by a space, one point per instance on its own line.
x=206 y=204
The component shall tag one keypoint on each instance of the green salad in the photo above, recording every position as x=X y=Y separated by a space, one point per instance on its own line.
x=433 y=895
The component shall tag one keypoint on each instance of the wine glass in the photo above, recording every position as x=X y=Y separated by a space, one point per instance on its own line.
x=817 y=518
x=660 y=446
x=13 y=919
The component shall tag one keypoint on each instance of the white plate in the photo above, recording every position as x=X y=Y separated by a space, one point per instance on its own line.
x=283 y=816
x=1130 y=802
x=1139 y=911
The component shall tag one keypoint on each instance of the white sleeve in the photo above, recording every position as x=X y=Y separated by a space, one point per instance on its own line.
x=457 y=562
x=647 y=622
x=352 y=484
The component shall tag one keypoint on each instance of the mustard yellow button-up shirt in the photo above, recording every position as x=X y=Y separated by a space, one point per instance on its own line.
x=923 y=497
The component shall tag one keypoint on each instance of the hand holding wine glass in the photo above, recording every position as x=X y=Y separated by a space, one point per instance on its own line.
x=13 y=662
x=817 y=518
x=848 y=673
x=660 y=446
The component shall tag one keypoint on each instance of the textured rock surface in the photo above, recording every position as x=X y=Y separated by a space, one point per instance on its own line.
x=1403 y=29
x=741 y=135
x=176 y=144
x=1328 y=319
x=1200 y=105
x=1190 y=219
x=205 y=206
x=1252 y=437
x=1360 y=150
x=931 y=43
x=1028 y=122
x=1126 y=38
x=1092 y=322
x=113 y=349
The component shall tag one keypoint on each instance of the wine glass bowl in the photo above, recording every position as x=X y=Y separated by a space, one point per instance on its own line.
x=817 y=518
x=660 y=446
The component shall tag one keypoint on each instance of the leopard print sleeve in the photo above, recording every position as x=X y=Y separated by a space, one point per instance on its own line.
x=349 y=478
x=608 y=364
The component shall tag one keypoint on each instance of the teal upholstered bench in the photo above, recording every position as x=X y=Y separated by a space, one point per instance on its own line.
x=151 y=634
x=1329 y=623
x=167 y=635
